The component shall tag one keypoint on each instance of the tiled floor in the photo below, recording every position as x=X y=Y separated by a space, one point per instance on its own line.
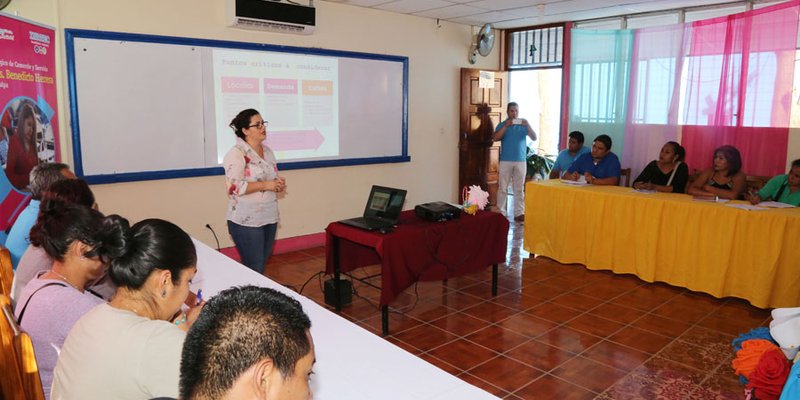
x=555 y=331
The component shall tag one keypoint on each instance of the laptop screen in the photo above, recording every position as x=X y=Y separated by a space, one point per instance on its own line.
x=385 y=203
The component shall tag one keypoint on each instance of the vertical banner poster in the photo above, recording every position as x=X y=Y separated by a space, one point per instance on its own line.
x=29 y=120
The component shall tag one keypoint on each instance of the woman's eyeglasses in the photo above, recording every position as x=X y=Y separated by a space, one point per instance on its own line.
x=259 y=125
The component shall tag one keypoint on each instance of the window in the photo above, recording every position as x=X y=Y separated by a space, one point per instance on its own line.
x=536 y=48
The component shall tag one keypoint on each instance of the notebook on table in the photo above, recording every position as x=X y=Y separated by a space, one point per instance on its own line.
x=382 y=211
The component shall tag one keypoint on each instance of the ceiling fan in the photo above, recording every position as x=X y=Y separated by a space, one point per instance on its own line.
x=483 y=43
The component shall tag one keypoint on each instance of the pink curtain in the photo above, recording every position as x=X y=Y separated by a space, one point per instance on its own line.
x=738 y=89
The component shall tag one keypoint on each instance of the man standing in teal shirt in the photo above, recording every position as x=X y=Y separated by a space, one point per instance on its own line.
x=513 y=151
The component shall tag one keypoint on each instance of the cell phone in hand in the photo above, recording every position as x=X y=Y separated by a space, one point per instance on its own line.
x=516 y=121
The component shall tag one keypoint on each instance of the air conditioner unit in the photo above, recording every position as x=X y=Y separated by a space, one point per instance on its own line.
x=272 y=15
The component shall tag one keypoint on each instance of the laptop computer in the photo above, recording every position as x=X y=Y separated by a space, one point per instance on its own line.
x=382 y=211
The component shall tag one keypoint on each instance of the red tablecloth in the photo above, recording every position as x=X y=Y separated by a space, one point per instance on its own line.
x=419 y=250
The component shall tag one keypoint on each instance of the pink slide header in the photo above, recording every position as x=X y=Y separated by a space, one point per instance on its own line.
x=280 y=86
x=239 y=85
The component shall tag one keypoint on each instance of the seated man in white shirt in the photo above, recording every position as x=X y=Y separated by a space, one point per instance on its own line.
x=248 y=342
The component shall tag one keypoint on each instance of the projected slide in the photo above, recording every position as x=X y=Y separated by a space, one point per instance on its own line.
x=297 y=94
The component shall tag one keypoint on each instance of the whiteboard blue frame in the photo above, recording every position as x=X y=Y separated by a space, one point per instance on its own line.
x=72 y=34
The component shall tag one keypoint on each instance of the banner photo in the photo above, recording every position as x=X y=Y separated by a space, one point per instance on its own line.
x=29 y=120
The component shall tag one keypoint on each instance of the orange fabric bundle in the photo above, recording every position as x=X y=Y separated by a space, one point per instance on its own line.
x=748 y=356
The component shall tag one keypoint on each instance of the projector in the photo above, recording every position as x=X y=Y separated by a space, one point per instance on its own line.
x=437 y=211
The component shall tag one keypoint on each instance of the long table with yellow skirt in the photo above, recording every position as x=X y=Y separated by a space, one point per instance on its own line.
x=700 y=245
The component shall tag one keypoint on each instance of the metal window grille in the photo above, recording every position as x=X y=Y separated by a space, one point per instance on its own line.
x=536 y=48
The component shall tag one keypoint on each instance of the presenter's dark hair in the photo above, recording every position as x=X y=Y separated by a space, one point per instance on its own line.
x=732 y=156
x=44 y=175
x=238 y=328
x=70 y=191
x=678 y=150
x=795 y=163
x=242 y=121
x=604 y=139
x=578 y=136
x=61 y=223
x=149 y=245
x=511 y=104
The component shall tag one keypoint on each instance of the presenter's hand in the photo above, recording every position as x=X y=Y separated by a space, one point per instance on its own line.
x=525 y=123
x=755 y=199
x=571 y=176
x=589 y=177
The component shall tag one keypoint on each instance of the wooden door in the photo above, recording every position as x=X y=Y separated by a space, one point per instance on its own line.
x=481 y=110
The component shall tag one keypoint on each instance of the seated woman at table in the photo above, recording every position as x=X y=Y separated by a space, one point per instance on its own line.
x=599 y=167
x=74 y=238
x=667 y=174
x=782 y=188
x=131 y=347
x=725 y=179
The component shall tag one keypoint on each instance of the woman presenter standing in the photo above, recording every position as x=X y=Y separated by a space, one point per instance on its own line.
x=253 y=185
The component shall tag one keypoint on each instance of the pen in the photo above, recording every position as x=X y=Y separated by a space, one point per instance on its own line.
x=199 y=296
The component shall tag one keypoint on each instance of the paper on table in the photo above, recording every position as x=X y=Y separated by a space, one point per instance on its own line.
x=644 y=190
x=775 y=204
x=580 y=182
x=748 y=207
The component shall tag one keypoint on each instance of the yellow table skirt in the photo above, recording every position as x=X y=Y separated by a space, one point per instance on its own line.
x=703 y=246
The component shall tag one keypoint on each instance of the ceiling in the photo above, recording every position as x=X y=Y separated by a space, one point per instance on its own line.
x=505 y=14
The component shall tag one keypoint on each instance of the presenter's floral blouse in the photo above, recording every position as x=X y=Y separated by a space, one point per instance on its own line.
x=242 y=166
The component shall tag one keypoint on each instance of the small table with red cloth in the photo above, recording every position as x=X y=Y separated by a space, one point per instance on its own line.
x=418 y=250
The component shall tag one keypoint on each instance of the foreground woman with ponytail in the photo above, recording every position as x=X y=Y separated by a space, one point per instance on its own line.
x=130 y=348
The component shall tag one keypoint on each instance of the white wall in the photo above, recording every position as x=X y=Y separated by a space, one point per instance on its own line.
x=316 y=196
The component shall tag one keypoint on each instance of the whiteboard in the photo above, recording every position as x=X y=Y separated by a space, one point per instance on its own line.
x=153 y=107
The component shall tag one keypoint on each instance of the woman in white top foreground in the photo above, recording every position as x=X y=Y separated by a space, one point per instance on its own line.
x=130 y=348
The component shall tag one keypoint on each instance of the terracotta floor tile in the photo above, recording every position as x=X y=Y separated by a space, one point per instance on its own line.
x=427 y=311
x=549 y=387
x=569 y=339
x=540 y=355
x=724 y=385
x=589 y=374
x=463 y=354
x=638 y=300
x=554 y=312
x=616 y=355
x=425 y=337
x=460 y=324
x=528 y=325
x=517 y=301
x=443 y=365
x=717 y=341
x=681 y=312
x=577 y=301
x=635 y=387
x=728 y=325
x=618 y=313
x=694 y=355
x=455 y=300
x=595 y=325
x=397 y=323
x=541 y=291
x=660 y=370
x=661 y=325
x=490 y=312
x=506 y=373
x=497 y=338
x=360 y=309
x=604 y=291
x=403 y=345
x=478 y=382
x=481 y=290
x=641 y=340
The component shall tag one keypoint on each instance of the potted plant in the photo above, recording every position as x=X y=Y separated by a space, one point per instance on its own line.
x=538 y=164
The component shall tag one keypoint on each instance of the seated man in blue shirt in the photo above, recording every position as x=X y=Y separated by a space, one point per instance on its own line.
x=600 y=167
x=567 y=156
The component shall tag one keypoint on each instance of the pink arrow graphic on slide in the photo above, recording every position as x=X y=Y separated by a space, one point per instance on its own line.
x=294 y=140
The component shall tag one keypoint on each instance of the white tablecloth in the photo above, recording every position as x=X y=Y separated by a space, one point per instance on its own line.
x=352 y=363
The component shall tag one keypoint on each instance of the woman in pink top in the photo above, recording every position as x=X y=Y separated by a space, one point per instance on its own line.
x=75 y=237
